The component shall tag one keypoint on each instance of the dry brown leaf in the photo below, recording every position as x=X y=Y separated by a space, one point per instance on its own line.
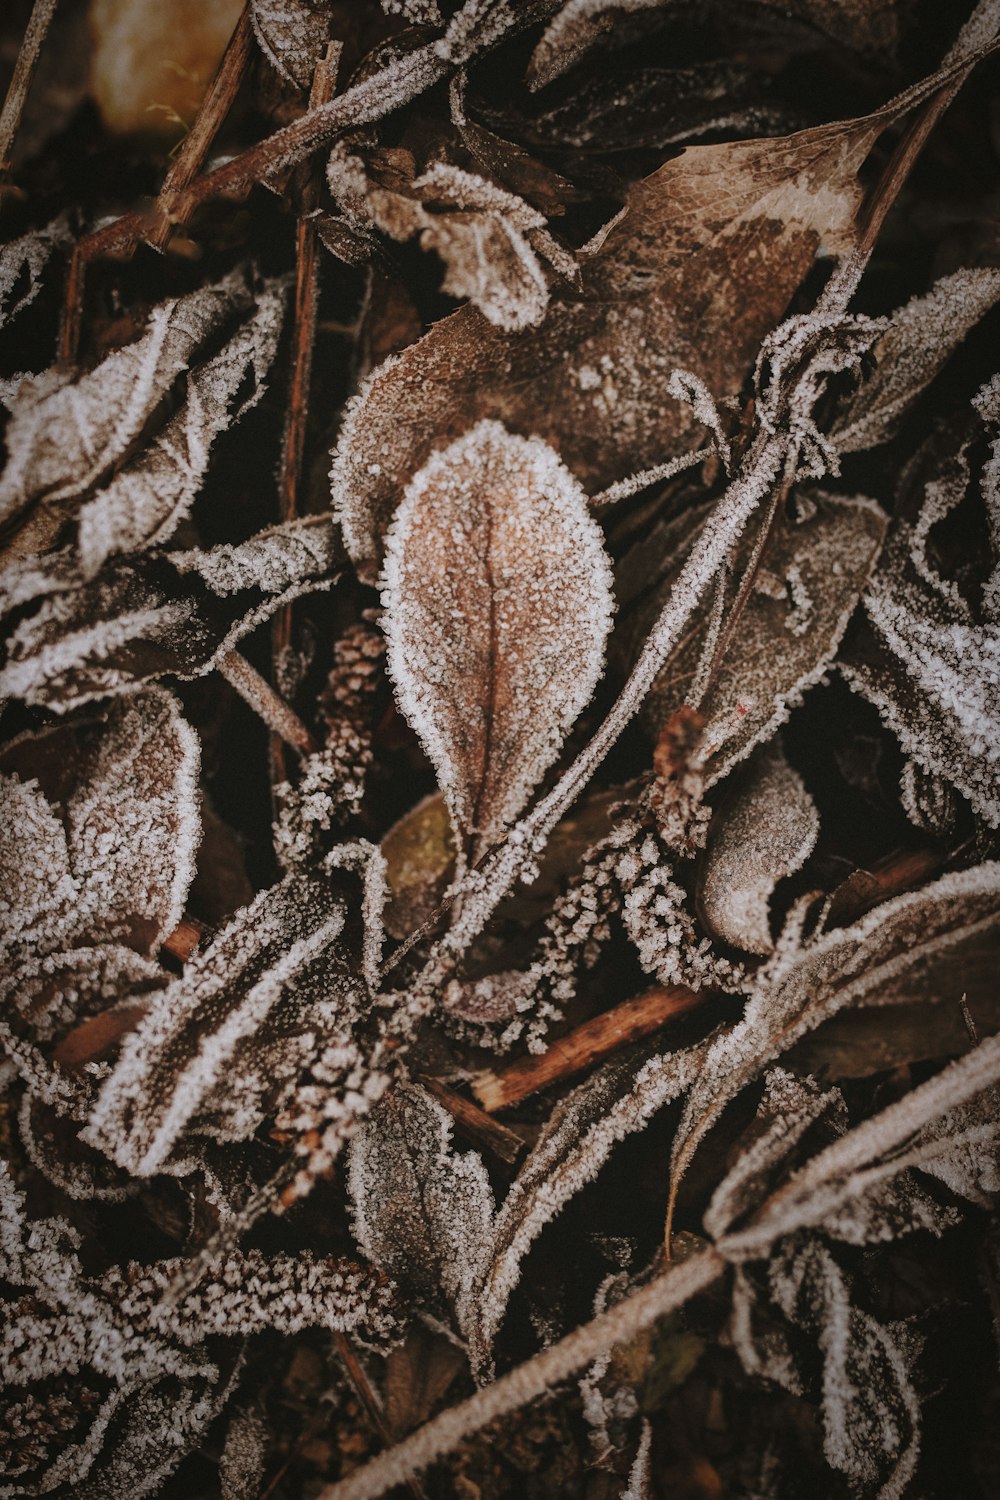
x=765 y=830
x=814 y=572
x=498 y=603
x=697 y=269
x=292 y=35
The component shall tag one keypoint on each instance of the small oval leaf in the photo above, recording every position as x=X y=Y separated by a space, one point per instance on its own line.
x=498 y=601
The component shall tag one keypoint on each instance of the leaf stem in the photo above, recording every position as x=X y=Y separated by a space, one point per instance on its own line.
x=24 y=69
x=586 y=1045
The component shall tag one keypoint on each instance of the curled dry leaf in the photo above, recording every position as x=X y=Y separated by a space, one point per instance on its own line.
x=930 y=658
x=423 y=1212
x=66 y=435
x=146 y=501
x=764 y=831
x=901 y=950
x=142 y=617
x=590 y=378
x=497 y=599
x=489 y=239
x=292 y=35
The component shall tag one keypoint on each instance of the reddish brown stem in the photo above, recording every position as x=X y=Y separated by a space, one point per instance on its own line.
x=24 y=69
x=588 y=1044
x=211 y=114
x=370 y=1401
x=188 y=935
x=477 y=1126
x=303 y=342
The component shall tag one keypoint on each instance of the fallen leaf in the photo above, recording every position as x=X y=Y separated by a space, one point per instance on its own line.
x=293 y=35
x=763 y=832
x=422 y=1211
x=591 y=378
x=65 y=435
x=497 y=603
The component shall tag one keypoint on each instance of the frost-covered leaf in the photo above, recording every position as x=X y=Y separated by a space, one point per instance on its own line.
x=936 y=941
x=764 y=831
x=24 y=258
x=59 y=1323
x=116 y=858
x=920 y=338
x=292 y=35
x=930 y=659
x=143 y=1385
x=590 y=378
x=232 y=1035
x=146 y=501
x=423 y=1212
x=240 y=1295
x=145 y=616
x=66 y=435
x=871 y=1415
x=580 y=1135
x=498 y=601
x=490 y=239
x=813 y=574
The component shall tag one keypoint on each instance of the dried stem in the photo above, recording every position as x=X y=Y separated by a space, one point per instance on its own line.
x=24 y=68
x=369 y=1400
x=258 y=692
x=588 y=1044
x=303 y=343
x=476 y=1126
x=211 y=114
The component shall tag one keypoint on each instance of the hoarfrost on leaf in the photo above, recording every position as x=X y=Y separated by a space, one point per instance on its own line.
x=422 y=1212
x=146 y=501
x=292 y=35
x=763 y=832
x=66 y=435
x=497 y=597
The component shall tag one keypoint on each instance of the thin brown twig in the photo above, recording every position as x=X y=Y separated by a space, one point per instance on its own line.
x=475 y=1124
x=154 y=225
x=303 y=343
x=370 y=1402
x=24 y=69
x=207 y=123
x=586 y=1045
x=260 y=695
